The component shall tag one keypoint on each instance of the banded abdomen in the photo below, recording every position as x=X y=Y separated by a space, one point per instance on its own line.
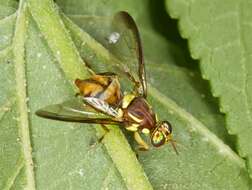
x=103 y=86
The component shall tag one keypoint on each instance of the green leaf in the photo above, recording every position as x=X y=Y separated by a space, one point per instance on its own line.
x=40 y=58
x=219 y=35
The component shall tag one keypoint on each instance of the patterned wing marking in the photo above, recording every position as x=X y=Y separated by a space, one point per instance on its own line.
x=101 y=105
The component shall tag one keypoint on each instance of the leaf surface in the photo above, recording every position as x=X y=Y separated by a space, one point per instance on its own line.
x=65 y=155
x=219 y=35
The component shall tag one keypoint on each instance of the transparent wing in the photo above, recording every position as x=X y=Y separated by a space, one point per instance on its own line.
x=76 y=111
x=128 y=48
x=121 y=37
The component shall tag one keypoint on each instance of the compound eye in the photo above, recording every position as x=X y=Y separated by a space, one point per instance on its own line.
x=168 y=126
x=157 y=139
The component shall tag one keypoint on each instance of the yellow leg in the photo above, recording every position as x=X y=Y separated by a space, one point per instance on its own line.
x=142 y=144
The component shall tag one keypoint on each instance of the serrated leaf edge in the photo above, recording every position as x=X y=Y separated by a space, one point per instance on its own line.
x=198 y=55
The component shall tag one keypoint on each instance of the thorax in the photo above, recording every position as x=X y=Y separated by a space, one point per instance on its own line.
x=139 y=115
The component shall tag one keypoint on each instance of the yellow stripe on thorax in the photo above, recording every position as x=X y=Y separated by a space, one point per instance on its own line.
x=127 y=99
x=137 y=120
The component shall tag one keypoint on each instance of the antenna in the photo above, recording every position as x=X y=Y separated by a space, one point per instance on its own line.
x=174 y=146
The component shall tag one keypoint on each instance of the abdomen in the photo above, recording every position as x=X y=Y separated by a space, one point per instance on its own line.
x=105 y=87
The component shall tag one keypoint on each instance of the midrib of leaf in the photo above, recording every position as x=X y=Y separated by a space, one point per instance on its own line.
x=19 y=61
x=98 y=49
x=59 y=41
x=48 y=20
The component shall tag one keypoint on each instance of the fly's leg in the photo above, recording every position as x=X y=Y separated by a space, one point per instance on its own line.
x=142 y=144
x=106 y=130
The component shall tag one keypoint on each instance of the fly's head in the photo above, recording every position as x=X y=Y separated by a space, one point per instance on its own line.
x=162 y=134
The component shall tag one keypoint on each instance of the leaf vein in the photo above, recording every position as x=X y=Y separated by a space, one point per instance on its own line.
x=11 y=180
x=7 y=18
x=19 y=60
x=5 y=51
x=244 y=64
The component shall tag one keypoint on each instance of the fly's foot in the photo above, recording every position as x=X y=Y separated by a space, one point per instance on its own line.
x=101 y=138
x=142 y=148
x=77 y=94
x=137 y=155
x=106 y=130
x=94 y=144
x=142 y=145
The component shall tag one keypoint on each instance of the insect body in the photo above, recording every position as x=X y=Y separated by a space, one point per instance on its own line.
x=100 y=99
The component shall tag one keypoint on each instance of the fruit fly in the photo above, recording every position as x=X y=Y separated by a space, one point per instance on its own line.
x=100 y=98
